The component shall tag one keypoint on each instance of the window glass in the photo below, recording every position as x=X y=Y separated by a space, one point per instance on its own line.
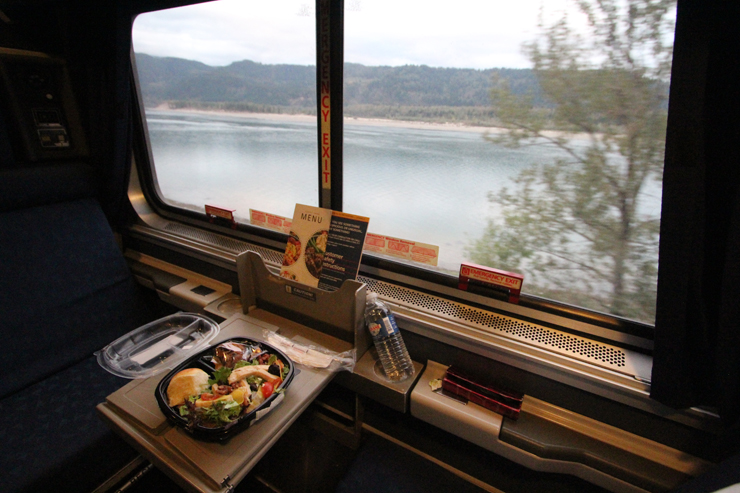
x=229 y=91
x=526 y=136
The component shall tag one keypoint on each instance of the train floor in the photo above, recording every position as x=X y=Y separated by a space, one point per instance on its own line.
x=305 y=460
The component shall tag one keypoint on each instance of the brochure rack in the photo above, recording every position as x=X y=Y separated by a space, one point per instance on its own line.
x=338 y=313
x=332 y=320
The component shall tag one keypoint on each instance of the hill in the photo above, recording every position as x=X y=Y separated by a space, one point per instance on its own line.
x=415 y=92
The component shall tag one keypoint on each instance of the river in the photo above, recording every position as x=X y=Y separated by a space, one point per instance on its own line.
x=426 y=183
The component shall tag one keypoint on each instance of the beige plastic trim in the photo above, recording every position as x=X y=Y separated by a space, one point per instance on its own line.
x=635 y=444
x=182 y=295
x=482 y=427
x=340 y=311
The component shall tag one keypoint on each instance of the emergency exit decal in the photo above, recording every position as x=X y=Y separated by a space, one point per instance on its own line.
x=325 y=105
x=414 y=251
x=510 y=282
x=221 y=216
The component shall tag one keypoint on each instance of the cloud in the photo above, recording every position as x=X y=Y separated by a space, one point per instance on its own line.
x=463 y=34
x=219 y=33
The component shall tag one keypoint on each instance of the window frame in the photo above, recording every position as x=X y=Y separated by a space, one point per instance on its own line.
x=599 y=326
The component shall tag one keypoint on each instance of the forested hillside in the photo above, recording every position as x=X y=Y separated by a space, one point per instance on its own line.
x=409 y=92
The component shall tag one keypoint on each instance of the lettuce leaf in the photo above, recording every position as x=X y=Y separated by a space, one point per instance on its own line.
x=221 y=413
x=220 y=376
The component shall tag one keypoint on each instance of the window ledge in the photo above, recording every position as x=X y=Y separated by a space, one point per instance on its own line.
x=612 y=372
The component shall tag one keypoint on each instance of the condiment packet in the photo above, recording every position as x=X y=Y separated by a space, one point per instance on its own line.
x=310 y=355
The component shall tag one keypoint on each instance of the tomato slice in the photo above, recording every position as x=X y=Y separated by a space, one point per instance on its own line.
x=267 y=389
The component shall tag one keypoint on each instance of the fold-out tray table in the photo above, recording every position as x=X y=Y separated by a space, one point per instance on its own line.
x=201 y=466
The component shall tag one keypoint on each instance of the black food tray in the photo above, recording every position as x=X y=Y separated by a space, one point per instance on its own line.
x=202 y=360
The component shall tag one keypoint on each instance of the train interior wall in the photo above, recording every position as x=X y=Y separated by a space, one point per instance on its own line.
x=345 y=441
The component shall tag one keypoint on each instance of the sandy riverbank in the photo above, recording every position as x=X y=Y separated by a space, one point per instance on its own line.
x=376 y=122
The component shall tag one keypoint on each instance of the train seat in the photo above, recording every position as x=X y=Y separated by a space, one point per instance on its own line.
x=66 y=292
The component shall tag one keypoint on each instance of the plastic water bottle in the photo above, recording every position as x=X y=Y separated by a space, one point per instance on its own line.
x=388 y=341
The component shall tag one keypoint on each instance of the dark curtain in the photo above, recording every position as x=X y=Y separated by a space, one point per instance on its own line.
x=100 y=44
x=697 y=329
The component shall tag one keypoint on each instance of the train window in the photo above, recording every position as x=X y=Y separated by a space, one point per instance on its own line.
x=229 y=92
x=527 y=136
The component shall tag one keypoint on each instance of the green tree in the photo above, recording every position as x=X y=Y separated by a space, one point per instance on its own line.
x=575 y=226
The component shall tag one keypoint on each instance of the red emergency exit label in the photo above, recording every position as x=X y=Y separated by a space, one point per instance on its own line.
x=488 y=276
x=221 y=216
x=325 y=78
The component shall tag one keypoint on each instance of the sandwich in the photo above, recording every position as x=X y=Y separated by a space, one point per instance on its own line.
x=187 y=383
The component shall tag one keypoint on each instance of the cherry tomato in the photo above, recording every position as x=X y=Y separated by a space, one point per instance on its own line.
x=267 y=390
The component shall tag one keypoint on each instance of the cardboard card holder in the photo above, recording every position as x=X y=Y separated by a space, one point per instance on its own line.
x=337 y=313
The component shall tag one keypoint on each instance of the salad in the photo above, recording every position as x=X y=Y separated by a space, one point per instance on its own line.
x=292 y=250
x=315 y=250
x=245 y=376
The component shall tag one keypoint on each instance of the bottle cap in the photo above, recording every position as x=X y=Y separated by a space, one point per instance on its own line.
x=370 y=297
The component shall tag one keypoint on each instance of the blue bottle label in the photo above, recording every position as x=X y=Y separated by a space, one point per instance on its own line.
x=384 y=327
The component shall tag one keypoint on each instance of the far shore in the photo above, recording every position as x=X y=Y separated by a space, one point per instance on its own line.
x=376 y=122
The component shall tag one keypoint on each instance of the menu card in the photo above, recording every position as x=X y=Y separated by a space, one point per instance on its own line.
x=343 y=249
x=324 y=247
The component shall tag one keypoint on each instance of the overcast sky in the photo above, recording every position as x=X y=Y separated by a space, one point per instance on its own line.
x=438 y=33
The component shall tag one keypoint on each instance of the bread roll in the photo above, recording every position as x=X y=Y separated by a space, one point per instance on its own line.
x=192 y=381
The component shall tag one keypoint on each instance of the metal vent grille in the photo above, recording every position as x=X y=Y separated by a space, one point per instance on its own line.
x=583 y=348
x=234 y=246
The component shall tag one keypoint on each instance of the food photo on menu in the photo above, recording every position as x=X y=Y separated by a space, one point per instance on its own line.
x=314 y=253
x=292 y=250
x=324 y=247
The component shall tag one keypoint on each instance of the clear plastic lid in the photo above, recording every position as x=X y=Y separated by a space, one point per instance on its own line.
x=157 y=346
